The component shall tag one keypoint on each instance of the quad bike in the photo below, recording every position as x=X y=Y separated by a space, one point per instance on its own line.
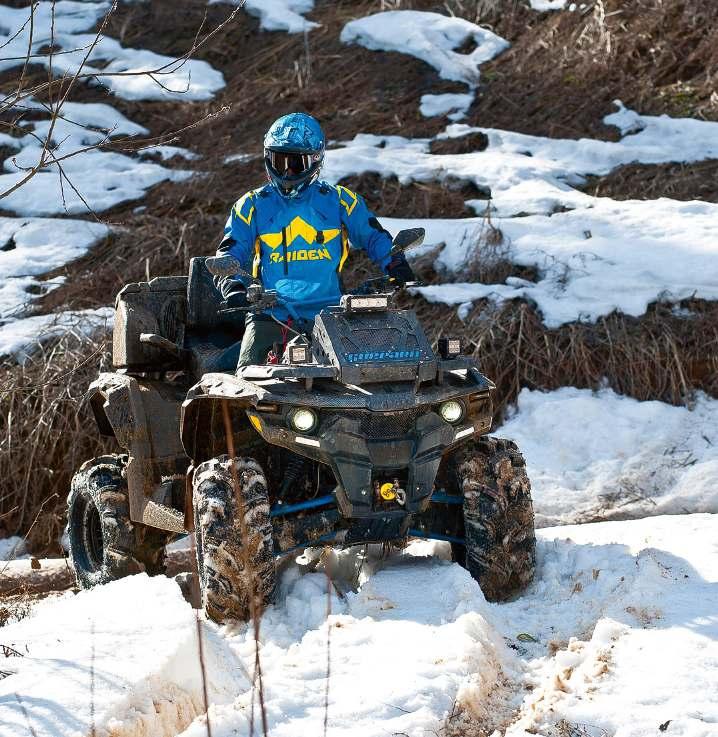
x=360 y=432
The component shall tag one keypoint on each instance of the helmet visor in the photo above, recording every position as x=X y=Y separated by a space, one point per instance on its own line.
x=290 y=164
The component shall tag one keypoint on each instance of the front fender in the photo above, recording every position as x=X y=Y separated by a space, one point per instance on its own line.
x=202 y=418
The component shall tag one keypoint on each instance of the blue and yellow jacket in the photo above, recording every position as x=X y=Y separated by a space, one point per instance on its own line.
x=298 y=246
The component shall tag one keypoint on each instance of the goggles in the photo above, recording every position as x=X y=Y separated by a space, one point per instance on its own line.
x=291 y=164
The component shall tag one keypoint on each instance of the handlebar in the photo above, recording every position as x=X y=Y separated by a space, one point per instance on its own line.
x=382 y=285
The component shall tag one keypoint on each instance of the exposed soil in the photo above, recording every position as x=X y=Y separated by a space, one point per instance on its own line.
x=562 y=73
x=697 y=181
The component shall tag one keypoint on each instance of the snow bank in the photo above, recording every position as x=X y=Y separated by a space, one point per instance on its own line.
x=600 y=256
x=118 y=660
x=602 y=455
x=183 y=79
x=453 y=105
x=611 y=604
x=19 y=337
x=400 y=650
x=614 y=256
x=530 y=174
x=627 y=638
x=278 y=15
x=430 y=37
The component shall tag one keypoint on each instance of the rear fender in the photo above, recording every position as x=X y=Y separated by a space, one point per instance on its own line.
x=143 y=416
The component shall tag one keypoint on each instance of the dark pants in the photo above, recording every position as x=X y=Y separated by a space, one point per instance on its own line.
x=260 y=334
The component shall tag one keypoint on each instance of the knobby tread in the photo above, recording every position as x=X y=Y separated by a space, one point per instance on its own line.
x=500 y=551
x=127 y=547
x=234 y=546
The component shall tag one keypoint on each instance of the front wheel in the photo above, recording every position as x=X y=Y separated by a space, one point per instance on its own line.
x=105 y=544
x=233 y=530
x=500 y=550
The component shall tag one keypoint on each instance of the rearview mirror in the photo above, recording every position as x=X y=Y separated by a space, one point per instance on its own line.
x=226 y=265
x=409 y=238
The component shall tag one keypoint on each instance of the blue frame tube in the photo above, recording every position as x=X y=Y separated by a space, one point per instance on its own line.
x=442 y=498
x=281 y=510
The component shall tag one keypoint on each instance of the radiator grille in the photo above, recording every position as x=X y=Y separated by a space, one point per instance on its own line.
x=380 y=425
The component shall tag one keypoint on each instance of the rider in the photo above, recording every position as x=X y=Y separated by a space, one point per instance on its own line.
x=295 y=234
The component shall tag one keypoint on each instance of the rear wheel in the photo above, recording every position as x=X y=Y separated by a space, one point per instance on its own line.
x=235 y=555
x=500 y=550
x=104 y=544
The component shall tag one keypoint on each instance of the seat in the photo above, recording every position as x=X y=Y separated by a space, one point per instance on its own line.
x=212 y=339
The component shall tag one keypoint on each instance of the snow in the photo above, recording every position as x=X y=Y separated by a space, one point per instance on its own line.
x=12 y=548
x=278 y=15
x=530 y=174
x=453 y=105
x=544 y=5
x=99 y=657
x=621 y=617
x=599 y=256
x=189 y=79
x=631 y=608
x=600 y=455
x=30 y=247
x=103 y=178
x=19 y=337
x=614 y=256
x=430 y=37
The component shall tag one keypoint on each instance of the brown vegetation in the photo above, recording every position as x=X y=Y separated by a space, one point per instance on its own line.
x=562 y=73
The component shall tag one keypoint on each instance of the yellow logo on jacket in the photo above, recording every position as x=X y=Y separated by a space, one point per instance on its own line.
x=300 y=228
x=304 y=254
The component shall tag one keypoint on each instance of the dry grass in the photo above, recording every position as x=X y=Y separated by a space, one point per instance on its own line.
x=44 y=437
x=661 y=355
x=564 y=69
x=650 y=181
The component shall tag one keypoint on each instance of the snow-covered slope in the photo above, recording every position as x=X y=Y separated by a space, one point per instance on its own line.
x=599 y=256
x=601 y=455
x=92 y=179
x=611 y=606
x=73 y=22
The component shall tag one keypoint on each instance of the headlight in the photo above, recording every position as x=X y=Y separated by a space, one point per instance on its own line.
x=452 y=411
x=303 y=420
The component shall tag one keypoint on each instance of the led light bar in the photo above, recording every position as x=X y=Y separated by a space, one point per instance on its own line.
x=367 y=304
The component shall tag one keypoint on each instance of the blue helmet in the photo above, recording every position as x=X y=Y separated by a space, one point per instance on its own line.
x=294 y=153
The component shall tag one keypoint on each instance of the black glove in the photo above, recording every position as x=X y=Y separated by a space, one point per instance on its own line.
x=399 y=269
x=237 y=298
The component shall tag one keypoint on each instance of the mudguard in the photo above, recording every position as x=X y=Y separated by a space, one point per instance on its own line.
x=144 y=416
x=202 y=421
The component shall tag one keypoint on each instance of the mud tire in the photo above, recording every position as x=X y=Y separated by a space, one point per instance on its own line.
x=104 y=544
x=500 y=550
x=236 y=580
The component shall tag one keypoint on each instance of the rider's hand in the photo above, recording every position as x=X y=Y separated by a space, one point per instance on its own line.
x=254 y=293
x=399 y=270
x=237 y=298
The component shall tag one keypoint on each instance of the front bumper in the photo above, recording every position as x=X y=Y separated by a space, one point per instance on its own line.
x=365 y=448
